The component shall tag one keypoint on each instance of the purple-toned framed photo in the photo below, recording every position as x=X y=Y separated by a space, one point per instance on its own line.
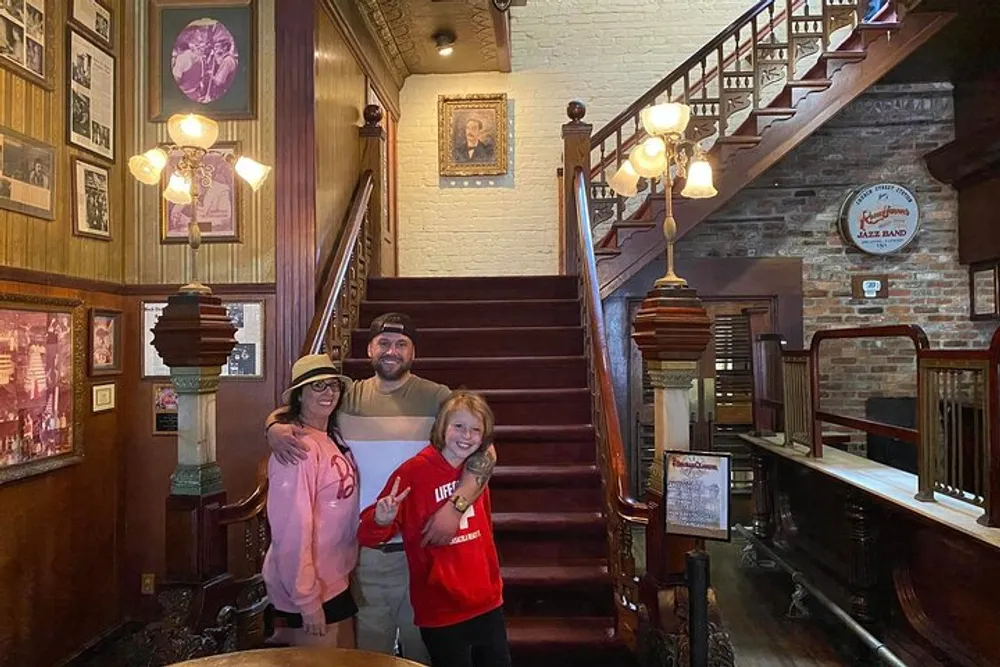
x=203 y=58
x=218 y=209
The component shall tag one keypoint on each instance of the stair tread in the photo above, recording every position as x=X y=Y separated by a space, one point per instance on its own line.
x=569 y=470
x=846 y=54
x=543 y=519
x=555 y=575
x=544 y=431
x=879 y=25
x=739 y=139
x=568 y=632
x=774 y=111
x=810 y=83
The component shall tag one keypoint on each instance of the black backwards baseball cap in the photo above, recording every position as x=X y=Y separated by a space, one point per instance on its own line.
x=399 y=323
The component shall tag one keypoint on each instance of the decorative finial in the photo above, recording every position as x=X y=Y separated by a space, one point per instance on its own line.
x=576 y=110
x=373 y=115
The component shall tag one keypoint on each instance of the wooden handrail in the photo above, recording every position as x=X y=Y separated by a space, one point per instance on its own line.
x=629 y=508
x=336 y=270
x=678 y=73
x=249 y=507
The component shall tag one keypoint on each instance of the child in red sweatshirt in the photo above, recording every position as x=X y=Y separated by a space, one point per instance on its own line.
x=455 y=590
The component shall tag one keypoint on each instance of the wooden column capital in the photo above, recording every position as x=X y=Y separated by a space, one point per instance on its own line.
x=672 y=325
x=194 y=331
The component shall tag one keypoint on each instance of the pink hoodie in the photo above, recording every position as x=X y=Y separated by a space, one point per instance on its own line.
x=313 y=510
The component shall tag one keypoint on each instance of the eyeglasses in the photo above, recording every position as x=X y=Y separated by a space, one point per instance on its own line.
x=321 y=385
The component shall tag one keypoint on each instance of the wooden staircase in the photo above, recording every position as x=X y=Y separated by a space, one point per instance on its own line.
x=520 y=342
x=786 y=66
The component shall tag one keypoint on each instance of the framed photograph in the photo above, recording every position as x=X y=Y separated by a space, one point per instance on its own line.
x=164 y=409
x=152 y=363
x=472 y=135
x=91 y=96
x=696 y=493
x=218 y=199
x=203 y=56
x=42 y=384
x=105 y=342
x=91 y=199
x=102 y=397
x=246 y=361
x=27 y=175
x=27 y=40
x=95 y=19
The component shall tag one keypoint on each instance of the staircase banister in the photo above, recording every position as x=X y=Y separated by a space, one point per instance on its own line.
x=629 y=508
x=336 y=269
x=678 y=73
x=252 y=505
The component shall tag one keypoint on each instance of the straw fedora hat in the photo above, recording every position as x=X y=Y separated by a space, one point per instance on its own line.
x=311 y=368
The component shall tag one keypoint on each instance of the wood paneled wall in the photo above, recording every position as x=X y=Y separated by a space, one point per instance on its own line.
x=341 y=95
x=147 y=261
x=61 y=531
x=49 y=245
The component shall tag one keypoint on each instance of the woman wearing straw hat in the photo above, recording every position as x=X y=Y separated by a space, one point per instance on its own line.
x=313 y=512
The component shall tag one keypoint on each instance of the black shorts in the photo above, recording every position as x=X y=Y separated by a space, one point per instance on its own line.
x=337 y=609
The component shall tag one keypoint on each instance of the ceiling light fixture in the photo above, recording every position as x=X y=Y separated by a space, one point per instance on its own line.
x=445 y=41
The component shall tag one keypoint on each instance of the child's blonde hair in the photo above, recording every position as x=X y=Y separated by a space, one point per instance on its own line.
x=463 y=400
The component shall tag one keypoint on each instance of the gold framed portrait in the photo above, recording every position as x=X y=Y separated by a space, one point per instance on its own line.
x=472 y=135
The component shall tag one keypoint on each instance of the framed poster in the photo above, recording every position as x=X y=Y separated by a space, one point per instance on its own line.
x=105 y=352
x=91 y=199
x=472 y=135
x=218 y=199
x=42 y=384
x=203 y=56
x=27 y=40
x=91 y=96
x=102 y=397
x=164 y=409
x=27 y=175
x=697 y=494
x=94 y=19
x=246 y=361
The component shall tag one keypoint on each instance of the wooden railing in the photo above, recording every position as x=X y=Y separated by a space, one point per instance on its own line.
x=957 y=434
x=624 y=513
x=740 y=72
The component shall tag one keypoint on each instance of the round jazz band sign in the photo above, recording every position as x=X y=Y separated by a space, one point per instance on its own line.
x=880 y=219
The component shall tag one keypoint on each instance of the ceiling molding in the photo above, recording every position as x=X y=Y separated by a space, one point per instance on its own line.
x=385 y=36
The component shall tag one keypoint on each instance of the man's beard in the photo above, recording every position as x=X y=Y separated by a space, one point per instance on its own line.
x=386 y=374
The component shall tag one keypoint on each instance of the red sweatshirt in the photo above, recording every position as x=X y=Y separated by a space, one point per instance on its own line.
x=448 y=584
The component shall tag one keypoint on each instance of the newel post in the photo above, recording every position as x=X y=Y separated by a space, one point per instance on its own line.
x=576 y=155
x=195 y=336
x=374 y=158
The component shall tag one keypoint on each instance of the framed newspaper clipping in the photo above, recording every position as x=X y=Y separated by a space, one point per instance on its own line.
x=696 y=493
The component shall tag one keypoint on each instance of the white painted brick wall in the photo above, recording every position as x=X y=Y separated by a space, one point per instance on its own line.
x=605 y=52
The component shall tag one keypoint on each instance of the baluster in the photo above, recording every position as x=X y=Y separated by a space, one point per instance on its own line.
x=619 y=152
x=977 y=455
x=753 y=64
x=770 y=23
x=604 y=176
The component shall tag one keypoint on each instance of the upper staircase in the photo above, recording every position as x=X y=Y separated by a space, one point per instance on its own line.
x=756 y=91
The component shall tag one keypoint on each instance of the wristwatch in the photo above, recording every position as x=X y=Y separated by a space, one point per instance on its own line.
x=460 y=503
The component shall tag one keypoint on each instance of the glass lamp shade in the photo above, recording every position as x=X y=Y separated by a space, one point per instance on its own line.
x=251 y=171
x=146 y=168
x=178 y=189
x=649 y=159
x=699 y=181
x=667 y=118
x=625 y=181
x=193 y=130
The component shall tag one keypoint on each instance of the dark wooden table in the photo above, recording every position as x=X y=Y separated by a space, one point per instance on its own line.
x=300 y=657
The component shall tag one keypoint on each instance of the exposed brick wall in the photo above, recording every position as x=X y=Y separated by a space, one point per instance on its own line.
x=792 y=210
x=605 y=52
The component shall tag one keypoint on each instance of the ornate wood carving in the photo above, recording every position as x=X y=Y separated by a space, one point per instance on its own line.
x=763 y=521
x=861 y=570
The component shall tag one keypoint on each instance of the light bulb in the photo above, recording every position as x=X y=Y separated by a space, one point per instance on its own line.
x=251 y=171
x=146 y=168
x=178 y=189
x=192 y=130
x=625 y=181
x=667 y=118
x=649 y=158
x=699 y=180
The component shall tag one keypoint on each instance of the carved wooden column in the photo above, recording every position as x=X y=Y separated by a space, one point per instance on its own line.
x=373 y=159
x=862 y=575
x=195 y=336
x=763 y=524
x=576 y=155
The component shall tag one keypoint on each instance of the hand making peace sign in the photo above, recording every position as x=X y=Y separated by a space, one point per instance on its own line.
x=388 y=506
